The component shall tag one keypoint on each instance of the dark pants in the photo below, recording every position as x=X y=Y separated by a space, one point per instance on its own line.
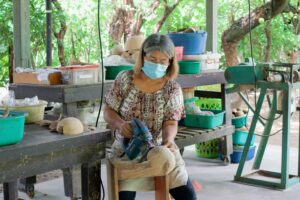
x=185 y=192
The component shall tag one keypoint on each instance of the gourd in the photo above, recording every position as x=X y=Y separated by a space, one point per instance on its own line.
x=70 y=126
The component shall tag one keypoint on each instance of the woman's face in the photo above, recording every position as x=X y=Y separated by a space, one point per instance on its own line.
x=157 y=57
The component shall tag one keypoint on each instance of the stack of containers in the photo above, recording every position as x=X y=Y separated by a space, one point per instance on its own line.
x=193 y=45
x=210 y=149
x=239 y=139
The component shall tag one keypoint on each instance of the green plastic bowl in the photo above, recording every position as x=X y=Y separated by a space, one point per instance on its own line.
x=12 y=128
x=113 y=71
x=189 y=67
x=240 y=121
x=239 y=137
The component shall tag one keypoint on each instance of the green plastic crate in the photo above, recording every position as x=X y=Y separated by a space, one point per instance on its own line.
x=12 y=128
x=207 y=149
x=112 y=71
x=205 y=121
x=209 y=103
x=189 y=67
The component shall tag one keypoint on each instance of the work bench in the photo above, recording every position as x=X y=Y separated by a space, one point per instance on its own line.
x=42 y=151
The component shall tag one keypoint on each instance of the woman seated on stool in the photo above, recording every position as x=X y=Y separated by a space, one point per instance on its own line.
x=150 y=94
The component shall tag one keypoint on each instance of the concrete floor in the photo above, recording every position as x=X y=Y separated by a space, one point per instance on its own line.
x=215 y=178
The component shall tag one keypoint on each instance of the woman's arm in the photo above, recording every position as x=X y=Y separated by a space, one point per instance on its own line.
x=169 y=132
x=115 y=121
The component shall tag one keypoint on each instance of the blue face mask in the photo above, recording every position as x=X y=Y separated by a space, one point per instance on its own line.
x=154 y=70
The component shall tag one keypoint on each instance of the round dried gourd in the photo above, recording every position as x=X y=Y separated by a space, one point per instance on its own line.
x=69 y=126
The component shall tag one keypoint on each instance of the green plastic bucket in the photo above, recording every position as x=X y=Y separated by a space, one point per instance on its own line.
x=207 y=149
x=113 y=71
x=12 y=128
x=189 y=67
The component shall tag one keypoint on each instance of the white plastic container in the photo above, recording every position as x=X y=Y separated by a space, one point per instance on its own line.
x=210 y=61
x=80 y=74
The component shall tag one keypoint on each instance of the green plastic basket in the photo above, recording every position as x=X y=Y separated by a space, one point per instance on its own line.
x=205 y=121
x=112 y=71
x=12 y=128
x=189 y=67
x=209 y=103
x=207 y=149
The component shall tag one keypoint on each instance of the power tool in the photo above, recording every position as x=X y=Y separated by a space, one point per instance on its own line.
x=140 y=142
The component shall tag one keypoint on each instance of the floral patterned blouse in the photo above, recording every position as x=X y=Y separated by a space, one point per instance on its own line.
x=152 y=108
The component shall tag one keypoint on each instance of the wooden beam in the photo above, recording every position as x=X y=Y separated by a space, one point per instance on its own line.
x=211 y=25
x=21 y=33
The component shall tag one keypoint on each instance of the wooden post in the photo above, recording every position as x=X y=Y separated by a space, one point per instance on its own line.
x=211 y=25
x=21 y=33
x=48 y=32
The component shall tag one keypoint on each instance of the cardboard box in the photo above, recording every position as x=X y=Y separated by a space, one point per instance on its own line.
x=53 y=78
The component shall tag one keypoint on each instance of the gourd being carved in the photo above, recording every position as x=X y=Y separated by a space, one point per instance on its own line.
x=70 y=126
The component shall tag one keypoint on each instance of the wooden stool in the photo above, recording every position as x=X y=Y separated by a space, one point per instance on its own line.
x=122 y=171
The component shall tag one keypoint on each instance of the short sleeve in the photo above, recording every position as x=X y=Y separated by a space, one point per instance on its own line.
x=114 y=97
x=174 y=109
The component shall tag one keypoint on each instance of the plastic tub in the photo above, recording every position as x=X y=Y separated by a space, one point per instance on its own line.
x=193 y=43
x=12 y=128
x=189 y=67
x=35 y=112
x=240 y=121
x=207 y=149
x=238 y=151
x=113 y=71
x=205 y=121
x=239 y=137
x=210 y=61
x=80 y=74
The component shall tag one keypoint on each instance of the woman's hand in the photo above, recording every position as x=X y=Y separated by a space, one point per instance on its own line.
x=171 y=145
x=125 y=129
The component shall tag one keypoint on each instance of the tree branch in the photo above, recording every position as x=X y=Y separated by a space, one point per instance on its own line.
x=168 y=10
x=140 y=19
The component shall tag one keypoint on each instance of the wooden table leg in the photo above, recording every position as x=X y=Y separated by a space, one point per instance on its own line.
x=90 y=181
x=10 y=190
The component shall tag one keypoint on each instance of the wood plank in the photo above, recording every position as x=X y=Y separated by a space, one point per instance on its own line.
x=225 y=131
x=37 y=164
x=38 y=140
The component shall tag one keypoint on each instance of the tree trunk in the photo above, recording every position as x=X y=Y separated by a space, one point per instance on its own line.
x=268 y=34
x=237 y=31
x=11 y=62
x=121 y=21
x=60 y=35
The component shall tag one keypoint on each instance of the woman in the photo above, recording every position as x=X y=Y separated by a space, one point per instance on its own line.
x=150 y=94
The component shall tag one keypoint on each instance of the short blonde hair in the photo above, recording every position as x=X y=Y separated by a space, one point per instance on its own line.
x=162 y=43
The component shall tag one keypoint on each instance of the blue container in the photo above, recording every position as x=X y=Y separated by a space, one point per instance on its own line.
x=12 y=128
x=239 y=137
x=238 y=151
x=193 y=43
